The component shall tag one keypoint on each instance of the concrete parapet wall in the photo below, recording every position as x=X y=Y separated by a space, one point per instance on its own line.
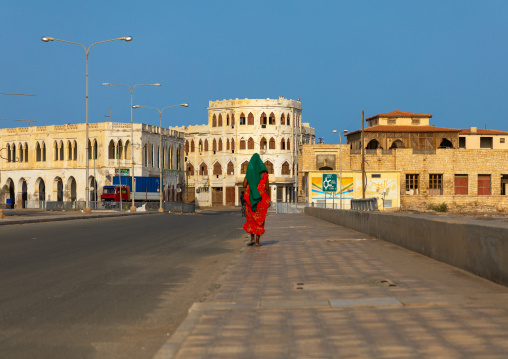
x=474 y=246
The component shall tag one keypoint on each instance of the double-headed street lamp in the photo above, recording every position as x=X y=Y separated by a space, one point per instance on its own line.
x=131 y=88
x=160 y=146
x=87 y=50
x=340 y=163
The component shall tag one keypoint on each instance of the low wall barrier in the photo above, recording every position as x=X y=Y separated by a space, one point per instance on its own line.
x=474 y=246
x=99 y=205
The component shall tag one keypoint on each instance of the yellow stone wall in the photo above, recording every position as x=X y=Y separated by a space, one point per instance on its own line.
x=447 y=162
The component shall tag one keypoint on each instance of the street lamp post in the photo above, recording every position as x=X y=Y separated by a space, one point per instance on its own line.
x=131 y=88
x=160 y=146
x=87 y=50
x=340 y=163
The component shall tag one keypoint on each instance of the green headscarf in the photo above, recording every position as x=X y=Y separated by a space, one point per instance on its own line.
x=255 y=171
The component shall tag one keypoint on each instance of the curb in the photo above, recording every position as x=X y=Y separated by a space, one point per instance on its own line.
x=70 y=218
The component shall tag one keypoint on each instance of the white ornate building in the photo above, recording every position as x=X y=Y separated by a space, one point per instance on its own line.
x=49 y=163
x=217 y=153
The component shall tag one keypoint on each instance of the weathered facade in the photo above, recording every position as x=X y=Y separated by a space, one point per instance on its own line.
x=217 y=153
x=49 y=163
x=474 y=178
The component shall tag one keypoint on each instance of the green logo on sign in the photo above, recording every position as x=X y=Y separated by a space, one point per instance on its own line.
x=329 y=182
x=122 y=171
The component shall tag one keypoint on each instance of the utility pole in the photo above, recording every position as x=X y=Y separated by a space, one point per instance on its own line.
x=363 y=157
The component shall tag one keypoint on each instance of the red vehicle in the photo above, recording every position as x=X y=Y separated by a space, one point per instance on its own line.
x=112 y=194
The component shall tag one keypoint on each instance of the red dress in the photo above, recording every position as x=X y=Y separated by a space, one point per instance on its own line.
x=255 y=223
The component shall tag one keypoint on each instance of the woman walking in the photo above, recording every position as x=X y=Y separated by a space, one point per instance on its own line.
x=257 y=196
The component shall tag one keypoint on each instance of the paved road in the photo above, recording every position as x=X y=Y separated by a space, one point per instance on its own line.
x=111 y=287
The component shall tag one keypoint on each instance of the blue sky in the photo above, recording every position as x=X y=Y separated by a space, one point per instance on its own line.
x=446 y=58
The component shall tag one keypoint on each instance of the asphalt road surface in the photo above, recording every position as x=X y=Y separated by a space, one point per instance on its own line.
x=112 y=287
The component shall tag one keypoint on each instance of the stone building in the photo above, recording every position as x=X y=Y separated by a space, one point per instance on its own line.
x=217 y=153
x=49 y=163
x=441 y=170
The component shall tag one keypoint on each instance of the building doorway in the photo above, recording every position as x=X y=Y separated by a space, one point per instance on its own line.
x=504 y=185
x=24 y=193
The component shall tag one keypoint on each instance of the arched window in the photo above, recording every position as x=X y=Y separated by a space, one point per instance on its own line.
x=220 y=144
x=269 y=167
x=242 y=144
x=94 y=149
x=190 y=169
x=283 y=144
x=271 y=145
x=373 y=144
x=250 y=144
x=178 y=159
x=152 y=155
x=227 y=144
x=9 y=155
x=263 y=144
x=289 y=121
x=37 y=152
x=397 y=144
x=289 y=144
x=282 y=119
x=192 y=148
x=227 y=119
x=231 y=169
x=250 y=119
x=214 y=121
x=187 y=146
x=119 y=154
x=285 y=169
x=89 y=149
x=445 y=143
x=26 y=152
x=128 y=149
x=232 y=145
x=242 y=119
x=111 y=150
x=145 y=155
x=55 y=151
x=206 y=145
x=271 y=120
x=232 y=119
x=217 y=169
x=203 y=169
x=263 y=120
x=200 y=146
x=21 y=153
x=214 y=145
x=43 y=152
x=75 y=150
x=220 y=120
x=69 y=151
x=244 y=168
x=61 y=151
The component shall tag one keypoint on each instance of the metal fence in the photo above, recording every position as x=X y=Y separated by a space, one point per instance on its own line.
x=364 y=204
x=116 y=206
x=289 y=207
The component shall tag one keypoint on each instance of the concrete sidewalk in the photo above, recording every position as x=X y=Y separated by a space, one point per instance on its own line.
x=317 y=290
